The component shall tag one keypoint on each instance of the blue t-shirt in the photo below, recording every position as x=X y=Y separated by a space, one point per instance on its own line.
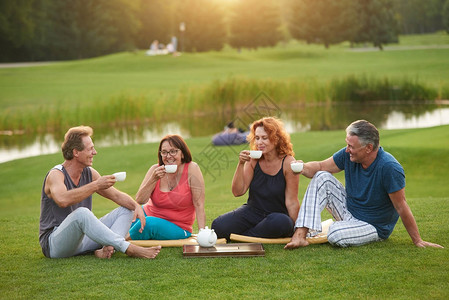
x=367 y=189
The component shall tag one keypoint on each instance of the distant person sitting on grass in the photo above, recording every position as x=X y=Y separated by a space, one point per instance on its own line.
x=369 y=207
x=67 y=225
x=230 y=136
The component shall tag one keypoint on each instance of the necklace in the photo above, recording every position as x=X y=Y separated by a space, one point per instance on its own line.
x=171 y=184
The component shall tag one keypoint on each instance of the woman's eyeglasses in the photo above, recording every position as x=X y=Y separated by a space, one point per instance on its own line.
x=172 y=152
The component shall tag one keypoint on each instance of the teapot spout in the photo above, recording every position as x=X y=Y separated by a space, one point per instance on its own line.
x=212 y=237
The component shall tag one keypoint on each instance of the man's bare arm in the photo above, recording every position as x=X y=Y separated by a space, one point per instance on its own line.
x=310 y=168
x=56 y=189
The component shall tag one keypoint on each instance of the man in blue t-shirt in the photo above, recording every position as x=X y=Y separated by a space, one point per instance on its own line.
x=368 y=208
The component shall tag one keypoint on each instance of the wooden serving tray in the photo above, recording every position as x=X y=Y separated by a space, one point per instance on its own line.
x=224 y=250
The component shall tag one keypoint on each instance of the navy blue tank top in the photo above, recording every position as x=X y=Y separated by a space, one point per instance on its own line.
x=267 y=192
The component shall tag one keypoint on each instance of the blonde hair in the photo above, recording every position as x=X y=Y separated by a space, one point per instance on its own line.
x=73 y=139
x=276 y=134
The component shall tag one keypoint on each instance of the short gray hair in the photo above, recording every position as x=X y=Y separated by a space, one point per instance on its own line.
x=365 y=131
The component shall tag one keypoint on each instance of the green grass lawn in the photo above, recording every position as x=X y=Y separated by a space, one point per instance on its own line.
x=161 y=77
x=393 y=269
x=438 y=38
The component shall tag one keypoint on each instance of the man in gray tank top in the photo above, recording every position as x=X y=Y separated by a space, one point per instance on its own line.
x=67 y=225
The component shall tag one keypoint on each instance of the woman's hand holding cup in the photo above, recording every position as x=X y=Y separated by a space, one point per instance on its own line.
x=159 y=172
x=244 y=157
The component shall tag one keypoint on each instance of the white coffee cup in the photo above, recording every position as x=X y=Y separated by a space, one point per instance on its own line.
x=171 y=168
x=297 y=166
x=256 y=154
x=120 y=176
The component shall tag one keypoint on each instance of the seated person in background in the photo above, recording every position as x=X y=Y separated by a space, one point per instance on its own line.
x=273 y=203
x=67 y=225
x=230 y=136
x=172 y=199
x=154 y=48
x=157 y=48
x=170 y=48
x=369 y=207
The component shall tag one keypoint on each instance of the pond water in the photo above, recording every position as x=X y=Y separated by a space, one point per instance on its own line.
x=296 y=119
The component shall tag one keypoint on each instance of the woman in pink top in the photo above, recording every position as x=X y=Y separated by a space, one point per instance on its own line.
x=171 y=200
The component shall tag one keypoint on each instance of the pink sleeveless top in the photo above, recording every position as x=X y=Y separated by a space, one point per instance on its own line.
x=175 y=206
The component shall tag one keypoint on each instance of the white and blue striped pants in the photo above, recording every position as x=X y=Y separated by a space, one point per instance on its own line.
x=325 y=191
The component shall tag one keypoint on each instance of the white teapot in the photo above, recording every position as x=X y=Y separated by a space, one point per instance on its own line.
x=206 y=237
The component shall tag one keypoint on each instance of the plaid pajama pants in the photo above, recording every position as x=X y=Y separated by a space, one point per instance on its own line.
x=325 y=191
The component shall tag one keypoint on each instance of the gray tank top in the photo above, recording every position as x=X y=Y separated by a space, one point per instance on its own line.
x=52 y=215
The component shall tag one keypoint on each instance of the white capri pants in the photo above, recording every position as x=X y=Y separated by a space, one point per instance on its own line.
x=83 y=232
x=325 y=191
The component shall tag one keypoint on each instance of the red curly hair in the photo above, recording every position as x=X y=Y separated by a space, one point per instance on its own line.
x=276 y=134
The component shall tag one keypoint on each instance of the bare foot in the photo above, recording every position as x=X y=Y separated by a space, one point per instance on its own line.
x=105 y=252
x=298 y=239
x=296 y=243
x=142 y=252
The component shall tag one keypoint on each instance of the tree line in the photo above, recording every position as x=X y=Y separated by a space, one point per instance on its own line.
x=33 y=30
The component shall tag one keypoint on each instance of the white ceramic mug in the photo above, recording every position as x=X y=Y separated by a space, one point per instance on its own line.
x=120 y=176
x=297 y=166
x=256 y=154
x=171 y=168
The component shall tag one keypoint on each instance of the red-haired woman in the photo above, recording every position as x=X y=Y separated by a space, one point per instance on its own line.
x=273 y=205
